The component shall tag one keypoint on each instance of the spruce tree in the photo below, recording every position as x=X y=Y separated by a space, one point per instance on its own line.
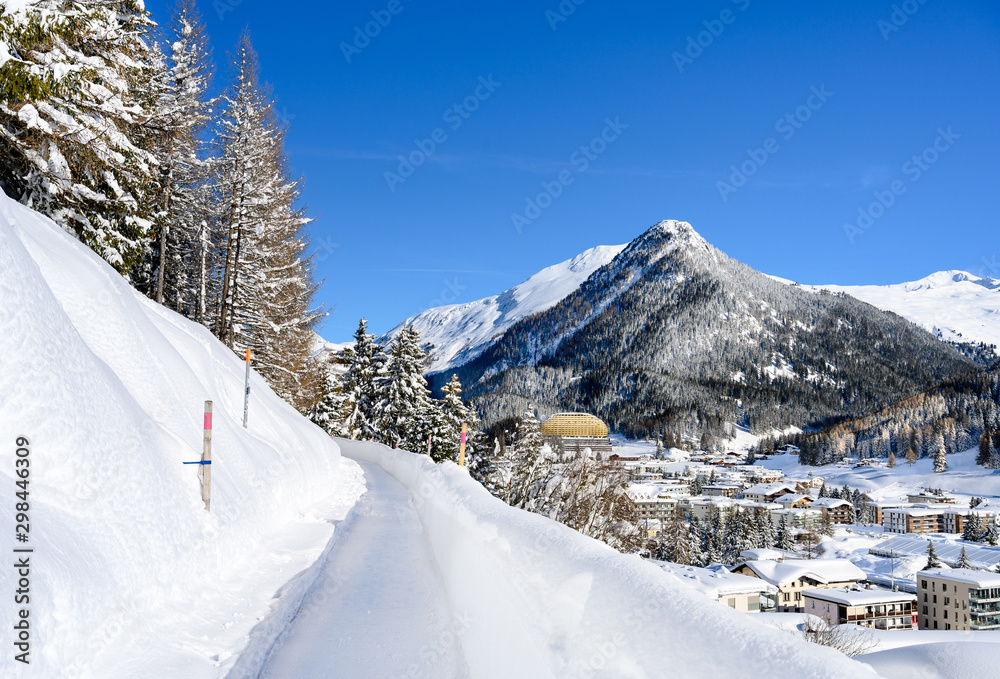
x=992 y=536
x=74 y=97
x=963 y=559
x=940 y=459
x=973 y=531
x=402 y=401
x=932 y=558
x=783 y=539
x=365 y=363
x=985 y=448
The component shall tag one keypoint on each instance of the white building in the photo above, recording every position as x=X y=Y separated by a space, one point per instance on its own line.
x=875 y=608
x=744 y=593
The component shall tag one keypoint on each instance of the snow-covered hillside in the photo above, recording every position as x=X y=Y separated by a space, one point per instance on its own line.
x=130 y=576
x=954 y=305
x=459 y=332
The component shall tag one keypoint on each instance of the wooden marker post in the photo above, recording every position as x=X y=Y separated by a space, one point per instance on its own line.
x=246 y=394
x=206 y=459
x=461 y=450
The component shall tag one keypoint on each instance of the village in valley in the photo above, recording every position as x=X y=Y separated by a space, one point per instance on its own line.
x=859 y=542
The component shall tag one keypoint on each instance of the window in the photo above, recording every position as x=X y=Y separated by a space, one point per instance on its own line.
x=947 y=600
x=947 y=625
x=935 y=598
x=944 y=586
x=925 y=610
x=935 y=624
x=925 y=597
x=923 y=584
x=946 y=614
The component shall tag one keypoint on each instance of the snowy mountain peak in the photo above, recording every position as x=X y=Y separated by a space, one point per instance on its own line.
x=954 y=305
x=943 y=279
x=457 y=333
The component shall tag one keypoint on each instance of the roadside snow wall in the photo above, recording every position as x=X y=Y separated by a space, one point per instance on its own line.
x=130 y=576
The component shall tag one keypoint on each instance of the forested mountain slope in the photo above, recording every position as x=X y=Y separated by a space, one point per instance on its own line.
x=674 y=335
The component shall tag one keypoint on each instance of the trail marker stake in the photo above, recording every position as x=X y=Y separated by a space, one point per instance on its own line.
x=206 y=459
x=461 y=450
x=246 y=394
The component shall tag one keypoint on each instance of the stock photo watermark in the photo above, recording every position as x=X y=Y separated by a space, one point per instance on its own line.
x=454 y=117
x=562 y=13
x=580 y=160
x=901 y=14
x=695 y=45
x=365 y=33
x=787 y=126
x=913 y=169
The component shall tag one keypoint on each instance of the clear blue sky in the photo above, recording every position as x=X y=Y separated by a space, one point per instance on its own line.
x=446 y=233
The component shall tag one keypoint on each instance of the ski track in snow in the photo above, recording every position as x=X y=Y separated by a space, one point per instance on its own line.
x=386 y=615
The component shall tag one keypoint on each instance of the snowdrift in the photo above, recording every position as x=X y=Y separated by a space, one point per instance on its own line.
x=130 y=576
x=544 y=601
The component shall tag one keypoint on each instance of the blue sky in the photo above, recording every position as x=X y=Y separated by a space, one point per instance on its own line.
x=823 y=109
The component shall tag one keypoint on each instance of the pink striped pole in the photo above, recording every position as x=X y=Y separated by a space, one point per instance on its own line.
x=206 y=459
x=461 y=450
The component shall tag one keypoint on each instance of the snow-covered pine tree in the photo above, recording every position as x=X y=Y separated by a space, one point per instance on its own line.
x=526 y=464
x=973 y=531
x=737 y=536
x=244 y=174
x=992 y=536
x=365 y=363
x=940 y=459
x=985 y=448
x=932 y=558
x=401 y=396
x=330 y=410
x=826 y=526
x=711 y=537
x=765 y=529
x=455 y=413
x=181 y=114
x=963 y=559
x=681 y=542
x=783 y=536
x=75 y=92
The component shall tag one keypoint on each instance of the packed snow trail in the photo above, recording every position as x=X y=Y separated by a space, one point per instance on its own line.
x=391 y=620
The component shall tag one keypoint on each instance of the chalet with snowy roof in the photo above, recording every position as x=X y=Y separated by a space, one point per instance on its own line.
x=958 y=599
x=793 y=576
x=839 y=511
x=794 y=501
x=880 y=609
x=741 y=592
x=768 y=492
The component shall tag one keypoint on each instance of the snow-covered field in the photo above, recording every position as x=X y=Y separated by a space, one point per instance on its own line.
x=130 y=576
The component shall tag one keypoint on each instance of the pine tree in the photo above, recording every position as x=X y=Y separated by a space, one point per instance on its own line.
x=329 y=412
x=826 y=527
x=74 y=98
x=681 y=543
x=402 y=401
x=366 y=364
x=992 y=536
x=973 y=531
x=455 y=414
x=783 y=537
x=940 y=461
x=932 y=558
x=765 y=529
x=985 y=448
x=710 y=537
x=963 y=559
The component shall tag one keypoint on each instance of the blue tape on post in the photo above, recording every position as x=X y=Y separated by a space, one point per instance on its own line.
x=198 y=462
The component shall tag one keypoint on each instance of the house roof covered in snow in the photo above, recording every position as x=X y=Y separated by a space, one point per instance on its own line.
x=830 y=502
x=768 y=488
x=717 y=583
x=824 y=571
x=981 y=579
x=848 y=596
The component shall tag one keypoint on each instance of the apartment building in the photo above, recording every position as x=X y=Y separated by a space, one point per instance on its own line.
x=873 y=608
x=958 y=599
x=793 y=576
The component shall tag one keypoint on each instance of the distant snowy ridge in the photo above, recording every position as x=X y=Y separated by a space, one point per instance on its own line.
x=954 y=305
x=457 y=333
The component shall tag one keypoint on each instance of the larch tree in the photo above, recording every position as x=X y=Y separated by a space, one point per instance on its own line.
x=179 y=264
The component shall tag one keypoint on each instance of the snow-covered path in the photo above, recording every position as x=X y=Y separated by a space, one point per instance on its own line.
x=378 y=608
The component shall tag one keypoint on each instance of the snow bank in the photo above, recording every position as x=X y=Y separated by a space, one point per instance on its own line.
x=541 y=600
x=946 y=660
x=130 y=576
